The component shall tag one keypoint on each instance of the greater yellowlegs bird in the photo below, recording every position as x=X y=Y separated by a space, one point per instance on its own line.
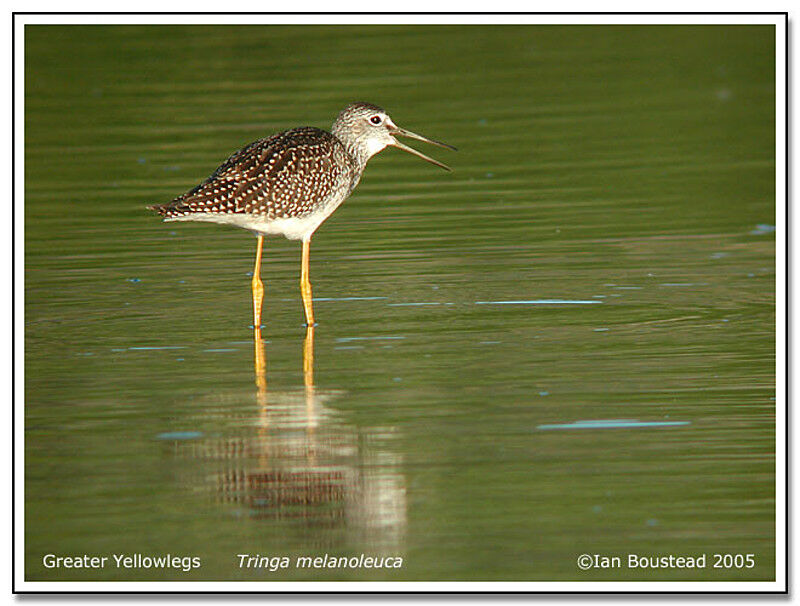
x=291 y=182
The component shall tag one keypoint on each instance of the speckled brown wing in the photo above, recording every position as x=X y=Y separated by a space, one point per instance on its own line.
x=285 y=175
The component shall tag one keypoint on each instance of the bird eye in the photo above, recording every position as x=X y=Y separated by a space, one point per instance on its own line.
x=375 y=120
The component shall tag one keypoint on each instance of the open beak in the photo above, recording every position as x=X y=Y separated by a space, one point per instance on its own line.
x=396 y=131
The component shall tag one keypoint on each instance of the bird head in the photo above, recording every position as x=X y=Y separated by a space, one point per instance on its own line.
x=366 y=129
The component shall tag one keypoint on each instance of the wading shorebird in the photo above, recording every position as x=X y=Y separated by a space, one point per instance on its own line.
x=289 y=183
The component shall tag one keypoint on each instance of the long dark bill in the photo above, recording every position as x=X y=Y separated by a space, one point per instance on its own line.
x=407 y=133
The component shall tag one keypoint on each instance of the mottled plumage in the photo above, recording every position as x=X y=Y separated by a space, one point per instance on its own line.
x=291 y=182
x=290 y=174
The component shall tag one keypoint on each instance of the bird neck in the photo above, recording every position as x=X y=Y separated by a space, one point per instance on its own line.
x=360 y=149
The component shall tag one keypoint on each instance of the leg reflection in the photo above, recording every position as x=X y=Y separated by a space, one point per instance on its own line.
x=308 y=381
x=308 y=358
x=260 y=366
x=296 y=461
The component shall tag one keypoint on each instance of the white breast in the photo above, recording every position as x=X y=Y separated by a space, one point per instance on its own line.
x=294 y=228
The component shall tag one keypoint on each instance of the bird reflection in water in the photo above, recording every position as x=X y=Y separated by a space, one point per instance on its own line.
x=305 y=467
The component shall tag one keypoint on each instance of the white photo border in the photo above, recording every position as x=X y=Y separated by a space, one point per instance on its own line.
x=780 y=585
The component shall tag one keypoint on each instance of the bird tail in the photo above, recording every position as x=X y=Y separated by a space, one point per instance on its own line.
x=165 y=210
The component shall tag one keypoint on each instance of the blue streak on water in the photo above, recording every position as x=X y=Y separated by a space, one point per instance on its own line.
x=156 y=348
x=612 y=424
x=179 y=435
x=600 y=329
x=349 y=298
x=414 y=304
x=538 y=302
x=346 y=339
x=762 y=228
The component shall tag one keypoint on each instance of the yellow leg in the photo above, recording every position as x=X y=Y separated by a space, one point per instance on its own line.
x=258 y=286
x=305 y=284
